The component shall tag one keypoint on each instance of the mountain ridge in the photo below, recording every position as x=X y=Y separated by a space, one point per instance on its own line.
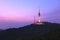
x=31 y=31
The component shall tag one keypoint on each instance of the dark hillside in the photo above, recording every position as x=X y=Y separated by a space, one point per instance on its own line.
x=47 y=31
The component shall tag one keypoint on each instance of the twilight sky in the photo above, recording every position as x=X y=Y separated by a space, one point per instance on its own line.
x=15 y=13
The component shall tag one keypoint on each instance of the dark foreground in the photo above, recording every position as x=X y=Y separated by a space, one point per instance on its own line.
x=48 y=31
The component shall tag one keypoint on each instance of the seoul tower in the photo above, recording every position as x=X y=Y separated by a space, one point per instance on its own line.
x=39 y=20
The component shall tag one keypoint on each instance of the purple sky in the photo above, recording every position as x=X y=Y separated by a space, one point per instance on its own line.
x=15 y=13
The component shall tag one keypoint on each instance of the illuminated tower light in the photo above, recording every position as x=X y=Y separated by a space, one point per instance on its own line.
x=39 y=16
x=38 y=22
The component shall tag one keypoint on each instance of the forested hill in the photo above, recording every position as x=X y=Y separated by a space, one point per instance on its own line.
x=47 y=31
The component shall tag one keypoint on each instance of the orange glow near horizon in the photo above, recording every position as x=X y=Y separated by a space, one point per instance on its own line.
x=38 y=23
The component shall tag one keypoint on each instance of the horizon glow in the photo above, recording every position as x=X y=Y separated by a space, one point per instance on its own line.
x=25 y=10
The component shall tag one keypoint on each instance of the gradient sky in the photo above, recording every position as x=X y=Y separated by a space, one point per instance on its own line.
x=22 y=12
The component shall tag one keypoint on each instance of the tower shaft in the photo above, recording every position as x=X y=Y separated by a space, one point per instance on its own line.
x=39 y=16
x=39 y=19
